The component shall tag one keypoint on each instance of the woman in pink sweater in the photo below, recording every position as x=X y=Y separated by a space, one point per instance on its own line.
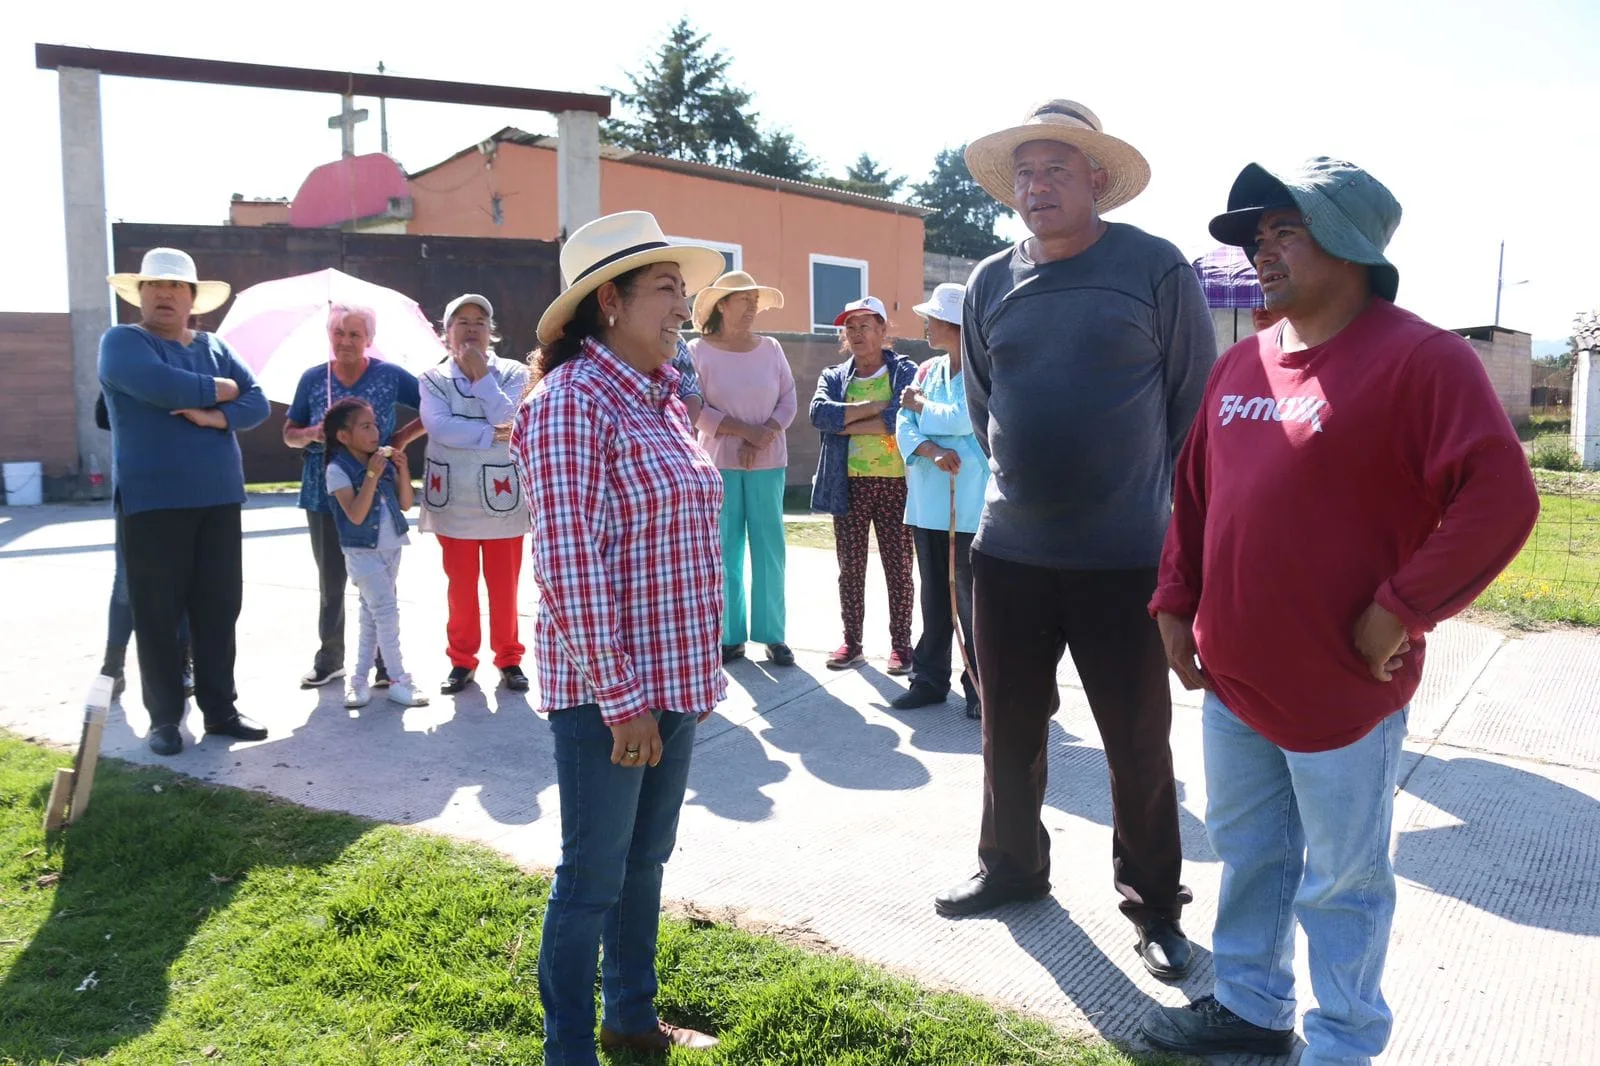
x=749 y=403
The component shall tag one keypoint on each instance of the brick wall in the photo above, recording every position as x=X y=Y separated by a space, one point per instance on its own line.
x=1508 y=357
x=36 y=405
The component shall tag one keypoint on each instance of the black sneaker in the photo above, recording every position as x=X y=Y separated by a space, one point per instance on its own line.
x=918 y=695
x=1206 y=1027
x=514 y=679
x=381 y=678
x=730 y=652
x=780 y=654
x=318 y=676
x=166 y=740
x=459 y=679
x=974 y=708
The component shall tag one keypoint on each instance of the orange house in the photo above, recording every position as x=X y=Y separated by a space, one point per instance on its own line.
x=823 y=247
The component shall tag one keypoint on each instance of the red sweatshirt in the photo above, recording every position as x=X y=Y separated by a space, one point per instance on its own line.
x=1376 y=466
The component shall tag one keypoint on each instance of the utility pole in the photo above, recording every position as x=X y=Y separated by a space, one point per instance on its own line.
x=383 y=118
x=1499 y=282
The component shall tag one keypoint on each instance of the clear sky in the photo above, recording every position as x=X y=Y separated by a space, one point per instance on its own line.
x=1478 y=115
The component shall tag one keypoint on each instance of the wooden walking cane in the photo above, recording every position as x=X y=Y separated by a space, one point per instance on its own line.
x=955 y=607
x=69 y=792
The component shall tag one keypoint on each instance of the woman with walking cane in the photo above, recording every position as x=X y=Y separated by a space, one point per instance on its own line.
x=946 y=474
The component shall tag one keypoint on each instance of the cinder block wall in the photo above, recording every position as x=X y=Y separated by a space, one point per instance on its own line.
x=1508 y=358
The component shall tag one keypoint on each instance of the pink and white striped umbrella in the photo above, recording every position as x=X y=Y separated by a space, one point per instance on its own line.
x=280 y=328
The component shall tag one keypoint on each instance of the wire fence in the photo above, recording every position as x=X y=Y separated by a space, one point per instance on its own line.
x=1556 y=577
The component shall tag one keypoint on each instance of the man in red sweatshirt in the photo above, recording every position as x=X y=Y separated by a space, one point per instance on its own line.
x=1351 y=482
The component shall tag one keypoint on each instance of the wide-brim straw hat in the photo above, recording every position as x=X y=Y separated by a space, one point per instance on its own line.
x=989 y=158
x=612 y=245
x=767 y=298
x=171 y=264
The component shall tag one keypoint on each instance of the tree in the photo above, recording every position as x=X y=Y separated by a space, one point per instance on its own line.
x=778 y=155
x=867 y=177
x=964 y=216
x=683 y=105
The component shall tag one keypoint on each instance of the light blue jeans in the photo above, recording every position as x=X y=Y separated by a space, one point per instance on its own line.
x=375 y=572
x=1304 y=836
x=619 y=826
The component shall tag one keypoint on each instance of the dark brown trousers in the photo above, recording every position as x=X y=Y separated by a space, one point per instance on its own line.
x=1024 y=617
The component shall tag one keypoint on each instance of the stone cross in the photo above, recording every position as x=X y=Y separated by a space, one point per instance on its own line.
x=345 y=122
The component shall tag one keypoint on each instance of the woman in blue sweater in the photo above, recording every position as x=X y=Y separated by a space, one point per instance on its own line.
x=176 y=398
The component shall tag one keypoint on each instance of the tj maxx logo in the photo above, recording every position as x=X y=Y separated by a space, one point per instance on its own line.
x=1268 y=409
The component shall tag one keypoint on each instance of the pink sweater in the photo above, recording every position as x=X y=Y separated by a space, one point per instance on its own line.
x=752 y=387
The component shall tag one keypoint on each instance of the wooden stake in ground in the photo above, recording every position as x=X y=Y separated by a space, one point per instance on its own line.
x=69 y=792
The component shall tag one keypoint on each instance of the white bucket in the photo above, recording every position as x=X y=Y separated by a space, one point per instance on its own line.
x=24 y=484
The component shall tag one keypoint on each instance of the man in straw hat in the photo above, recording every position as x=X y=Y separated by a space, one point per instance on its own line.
x=1087 y=347
x=1358 y=456
x=176 y=397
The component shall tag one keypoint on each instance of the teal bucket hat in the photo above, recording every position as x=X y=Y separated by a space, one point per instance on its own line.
x=1350 y=214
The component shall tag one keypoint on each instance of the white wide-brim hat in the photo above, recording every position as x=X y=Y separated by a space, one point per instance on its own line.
x=171 y=264
x=612 y=245
x=989 y=158
x=945 y=303
x=767 y=298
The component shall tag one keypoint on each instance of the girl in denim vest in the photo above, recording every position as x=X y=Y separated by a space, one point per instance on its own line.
x=372 y=487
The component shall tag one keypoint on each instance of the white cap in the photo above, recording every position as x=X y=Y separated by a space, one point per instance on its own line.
x=944 y=304
x=866 y=303
x=467 y=298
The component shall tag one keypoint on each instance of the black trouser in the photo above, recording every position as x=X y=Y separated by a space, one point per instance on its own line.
x=1026 y=616
x=932 y=658
x=185 y=559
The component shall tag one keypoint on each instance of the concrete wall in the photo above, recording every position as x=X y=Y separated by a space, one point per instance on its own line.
x=37 y=411
x=938 y=268
x=1508 y=357
x=777 y=231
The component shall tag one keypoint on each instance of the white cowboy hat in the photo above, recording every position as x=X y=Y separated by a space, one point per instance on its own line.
x=767 y=298
x=170 y=264
x=989 y=158
x=945 y=303
x=615 y=244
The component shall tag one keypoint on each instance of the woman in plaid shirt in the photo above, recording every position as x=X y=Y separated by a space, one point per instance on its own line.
x=627 y=557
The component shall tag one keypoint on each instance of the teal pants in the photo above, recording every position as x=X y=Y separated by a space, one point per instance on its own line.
x=752 y=512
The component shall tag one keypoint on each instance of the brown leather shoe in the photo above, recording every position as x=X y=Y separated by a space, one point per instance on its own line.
x=662 y=1038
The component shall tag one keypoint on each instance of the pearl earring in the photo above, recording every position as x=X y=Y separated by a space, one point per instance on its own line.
x=611 y=320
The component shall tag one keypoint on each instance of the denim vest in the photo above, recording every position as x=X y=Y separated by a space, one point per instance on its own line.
x=365 y=535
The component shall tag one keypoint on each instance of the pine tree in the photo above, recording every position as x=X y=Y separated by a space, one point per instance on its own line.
x=777 y=154
x=684 y=106
x=867 y=177
x=964 y=216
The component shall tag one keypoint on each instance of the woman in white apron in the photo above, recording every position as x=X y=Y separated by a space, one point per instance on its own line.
x=471 y=498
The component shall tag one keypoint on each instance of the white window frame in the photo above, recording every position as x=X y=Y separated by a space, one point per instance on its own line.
x=725 y=247
x=811 y=284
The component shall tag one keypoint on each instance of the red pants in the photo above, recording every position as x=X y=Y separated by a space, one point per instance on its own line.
x=502 y=566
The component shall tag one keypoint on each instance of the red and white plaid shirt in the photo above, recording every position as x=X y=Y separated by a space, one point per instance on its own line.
x=626 y=551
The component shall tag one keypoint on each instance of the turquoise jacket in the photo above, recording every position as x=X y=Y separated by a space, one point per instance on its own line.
x=943 y=420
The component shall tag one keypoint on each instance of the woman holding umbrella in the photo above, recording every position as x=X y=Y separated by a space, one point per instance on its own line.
x=349 y=372
x=471 y=498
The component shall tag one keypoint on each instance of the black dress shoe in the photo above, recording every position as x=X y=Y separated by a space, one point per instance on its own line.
x=731 y=652
x=238 y=727
x=974 y=708
x=780 y=655
x=166 y=740
x=1164 y=950
x=514 y=679
x=459 y=679
x=981 y=894
x=918 y=695
x=1206 y=1027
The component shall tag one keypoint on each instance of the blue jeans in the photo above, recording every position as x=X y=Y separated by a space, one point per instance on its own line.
x=618 y=827
x=1304 y=836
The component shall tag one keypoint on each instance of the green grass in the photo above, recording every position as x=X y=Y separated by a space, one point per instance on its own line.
x=1556 y=577
x=809 y=534
x=272 y=486
x=228 y=926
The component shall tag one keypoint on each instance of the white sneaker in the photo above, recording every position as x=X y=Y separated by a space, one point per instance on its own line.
x=402 y=692
x=359 y=694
